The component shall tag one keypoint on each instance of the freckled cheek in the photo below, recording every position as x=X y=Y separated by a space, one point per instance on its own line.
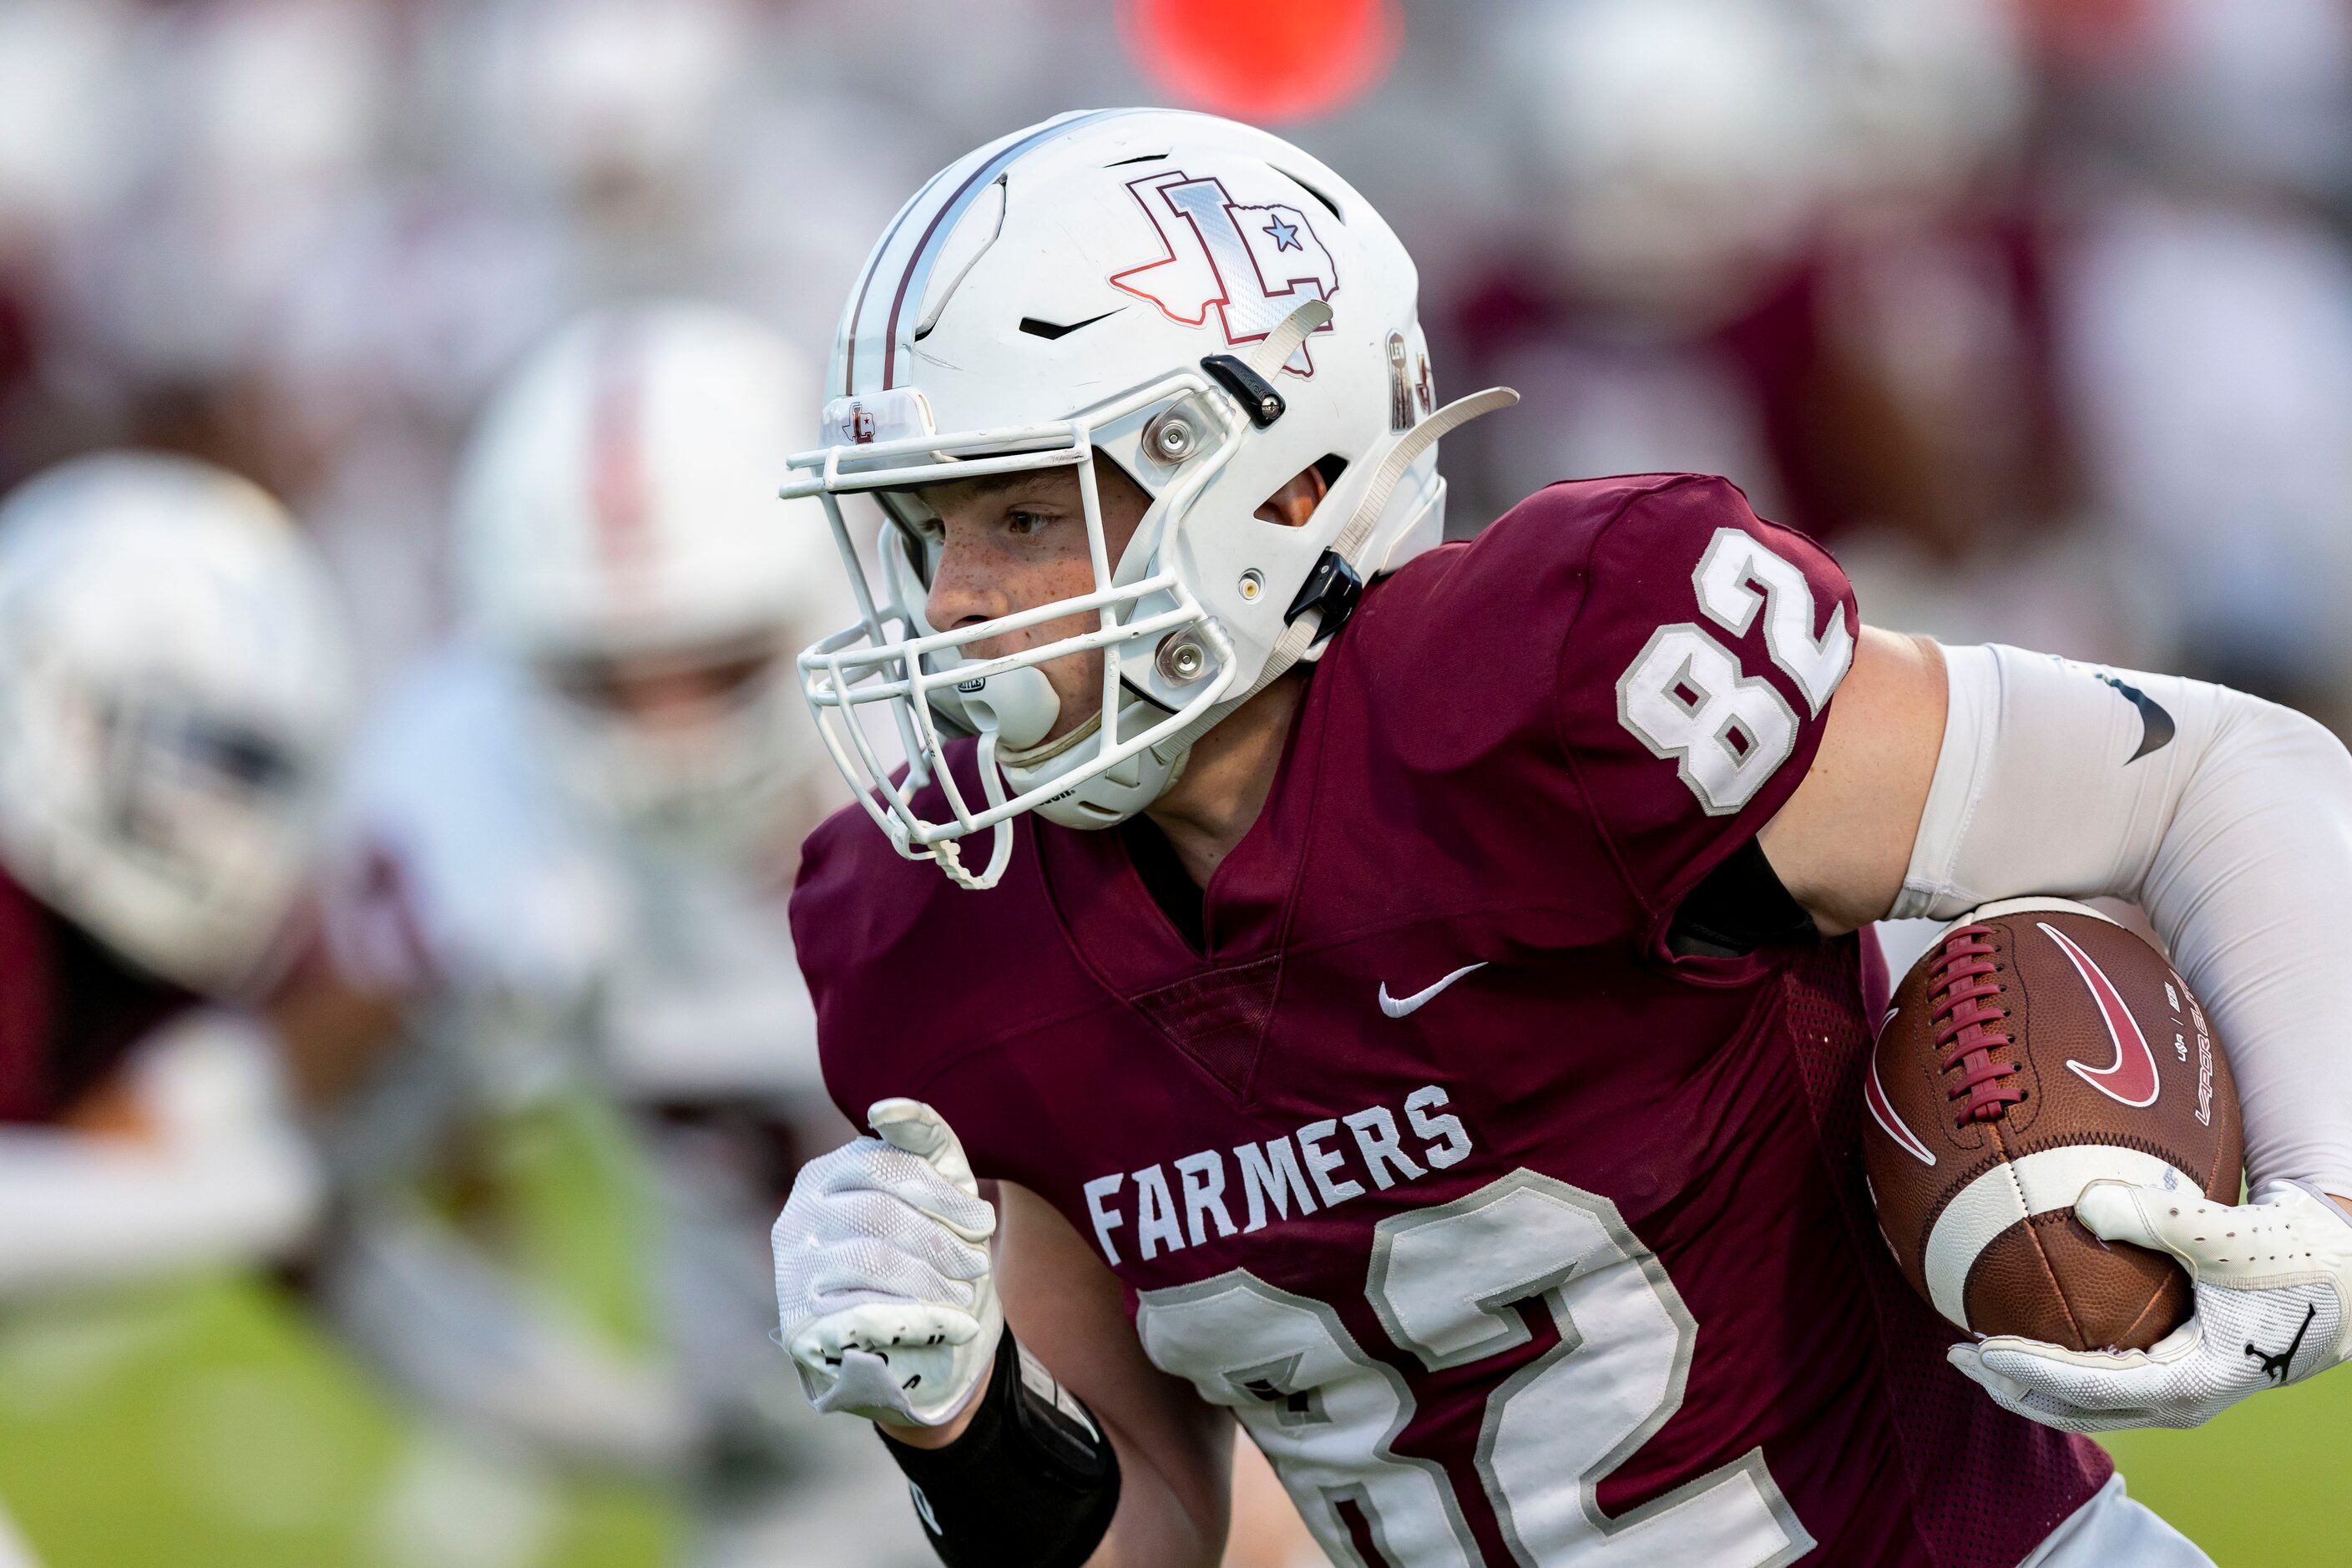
x=1044 y=585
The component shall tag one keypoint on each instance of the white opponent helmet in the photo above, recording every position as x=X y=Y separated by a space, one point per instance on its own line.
x=1209 y=308
x=174 y=688
x=616 y=506
x=1680 y=146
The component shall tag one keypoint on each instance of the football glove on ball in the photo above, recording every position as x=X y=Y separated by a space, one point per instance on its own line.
x=2273 y=1305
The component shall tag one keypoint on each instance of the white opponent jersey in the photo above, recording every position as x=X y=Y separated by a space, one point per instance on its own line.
x=468 y=868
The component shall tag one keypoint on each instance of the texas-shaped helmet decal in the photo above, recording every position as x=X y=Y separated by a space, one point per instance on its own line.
x=1254 y=264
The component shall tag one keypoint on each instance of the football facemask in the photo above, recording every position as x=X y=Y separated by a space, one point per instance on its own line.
x=1188 y=264
x=688 y=747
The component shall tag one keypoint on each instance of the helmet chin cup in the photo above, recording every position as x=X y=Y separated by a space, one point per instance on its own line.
x=1111 y=796
x=1018 y=704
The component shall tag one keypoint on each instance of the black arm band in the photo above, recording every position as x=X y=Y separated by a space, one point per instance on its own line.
x=1031 y=1483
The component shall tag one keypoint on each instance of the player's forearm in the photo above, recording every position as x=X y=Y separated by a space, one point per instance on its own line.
x=2249 y=889
x=185 y=1160
x=1154 y=1527
x=2228 y=819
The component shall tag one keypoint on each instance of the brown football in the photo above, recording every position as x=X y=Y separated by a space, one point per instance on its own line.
x=2037 y=1047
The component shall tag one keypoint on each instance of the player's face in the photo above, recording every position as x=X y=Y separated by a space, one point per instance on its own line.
x=671 y=691
x=1012 y=545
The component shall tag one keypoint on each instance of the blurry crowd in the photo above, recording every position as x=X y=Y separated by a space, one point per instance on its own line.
x=504 y=313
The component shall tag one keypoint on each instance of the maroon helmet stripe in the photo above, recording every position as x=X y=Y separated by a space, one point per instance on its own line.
x=616 y=443
x=857 y=311
x=906 y=278
x=989 y=170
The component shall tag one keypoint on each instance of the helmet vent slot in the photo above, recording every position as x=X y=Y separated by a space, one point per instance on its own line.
x=970 y=240
x=1329 y=205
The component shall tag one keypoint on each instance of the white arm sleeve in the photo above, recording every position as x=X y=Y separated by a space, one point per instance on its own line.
x=225 y=1179
x=2226 y=818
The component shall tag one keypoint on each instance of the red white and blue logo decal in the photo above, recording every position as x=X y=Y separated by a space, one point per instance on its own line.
x=1252 y=264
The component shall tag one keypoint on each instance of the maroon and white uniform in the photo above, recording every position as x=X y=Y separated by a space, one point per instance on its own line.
x=1510 y=1237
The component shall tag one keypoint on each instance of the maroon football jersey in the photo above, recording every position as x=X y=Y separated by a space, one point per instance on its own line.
x=69 y=1009
x=1510 y=1237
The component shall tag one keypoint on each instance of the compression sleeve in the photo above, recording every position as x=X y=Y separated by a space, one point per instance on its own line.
x=222 y=1176
x=2226 y=818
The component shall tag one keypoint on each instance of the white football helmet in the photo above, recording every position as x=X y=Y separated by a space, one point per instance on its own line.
x=613 y=516
x=1208 y=308
x=1679 y=144
x=174 y=688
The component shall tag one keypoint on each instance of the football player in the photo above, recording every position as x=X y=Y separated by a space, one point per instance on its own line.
x=174 y=688
x=570 y=834
x=1406 y=996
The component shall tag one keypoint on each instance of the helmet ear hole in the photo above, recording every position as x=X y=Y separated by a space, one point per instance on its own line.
x=1293 y=506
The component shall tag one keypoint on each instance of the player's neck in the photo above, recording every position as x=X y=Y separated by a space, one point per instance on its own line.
x=1228 y=778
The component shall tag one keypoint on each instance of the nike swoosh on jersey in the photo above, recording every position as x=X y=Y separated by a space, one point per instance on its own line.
x=2130 y=1078
x=1398 y=1007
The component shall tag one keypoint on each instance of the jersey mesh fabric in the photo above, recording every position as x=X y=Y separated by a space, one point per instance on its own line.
x=1961 y=1456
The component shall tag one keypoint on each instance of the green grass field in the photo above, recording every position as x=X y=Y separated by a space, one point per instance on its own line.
x=2258 y=1485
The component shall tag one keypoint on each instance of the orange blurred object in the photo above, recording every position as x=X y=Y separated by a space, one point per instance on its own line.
x=1264 y=59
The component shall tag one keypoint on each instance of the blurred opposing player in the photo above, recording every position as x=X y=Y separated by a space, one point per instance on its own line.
x=1405 y=995
x=173 y=694
x=571 y=835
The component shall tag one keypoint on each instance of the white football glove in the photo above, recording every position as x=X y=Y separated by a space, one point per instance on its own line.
x=2273 y=1305
x=884 y=1295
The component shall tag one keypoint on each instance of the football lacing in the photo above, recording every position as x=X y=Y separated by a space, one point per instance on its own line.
x=1969 y=1015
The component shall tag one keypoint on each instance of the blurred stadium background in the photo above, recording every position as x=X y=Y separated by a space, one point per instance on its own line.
x=2039 y=311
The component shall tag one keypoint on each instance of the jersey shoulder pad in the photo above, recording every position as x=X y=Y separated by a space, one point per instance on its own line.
x=1641 y=657
x=1695 y=683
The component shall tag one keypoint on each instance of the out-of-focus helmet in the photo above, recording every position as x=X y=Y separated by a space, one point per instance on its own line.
x=1201 y=304
x=1680 y=146
x=608 y=102
x=175 y=689
x=616 y=516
